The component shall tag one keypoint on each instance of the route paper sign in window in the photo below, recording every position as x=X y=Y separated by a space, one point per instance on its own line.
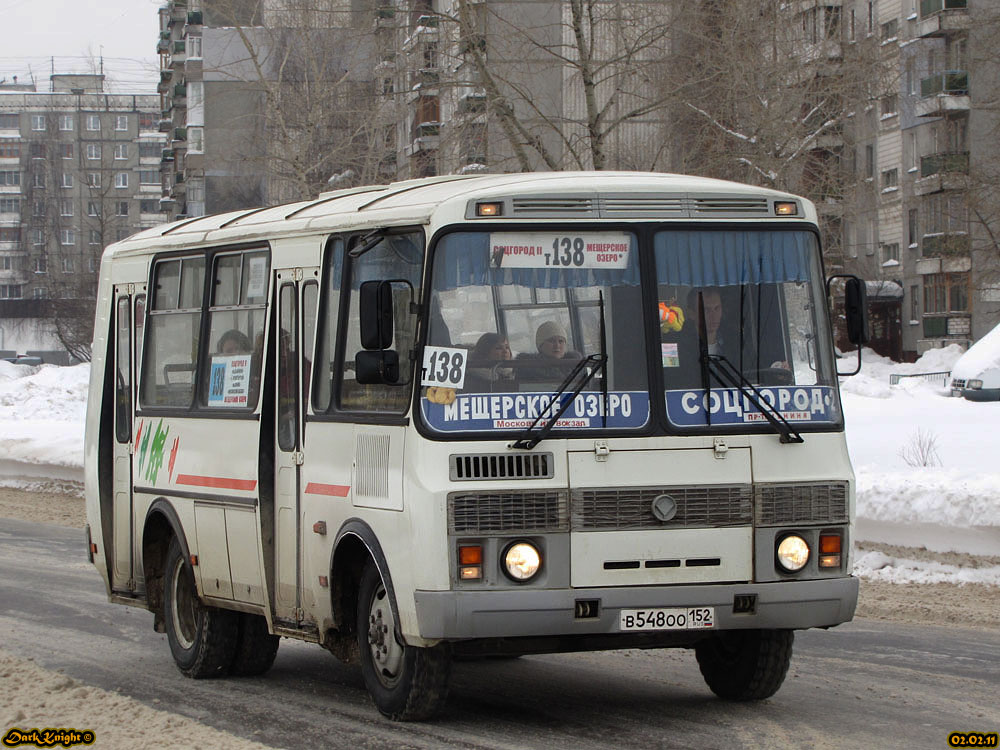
x=602 y=250
x=229 y=381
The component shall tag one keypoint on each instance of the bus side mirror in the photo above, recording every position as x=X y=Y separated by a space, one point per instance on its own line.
x=375 y=309
x=377 y=367
x=856 y=311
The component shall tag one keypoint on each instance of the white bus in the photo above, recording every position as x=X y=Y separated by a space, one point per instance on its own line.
x=475 y=415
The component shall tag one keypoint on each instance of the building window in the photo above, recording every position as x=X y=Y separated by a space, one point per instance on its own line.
x=193 y=47
x=67 y=237
x=149 y=177
x=93 y=179
x=37 y=150
x=10 y=121
x=912 y=228
x=121 y=208
x=67 y=180
x=95 y=237
x=66 y=122
x=10 y=205
x=149 y=207
x=121 y=234
x=147 y=121
x=121 y=180
x=38 y=180
x=10 y=291
x=41 y=264
x=150 y=150
x=93 y=208
x=890 y=106
x=93 y=122
x=38 y=208
x=10 y=178
x=92 y=265
x=38 y=122
x=10 y=150
x=66 y=150
x=196 y=140
x=66 y=207
x=39 y=292
x=67 y=264
x=121 y=122
x=195 y=94
x=37 y=237
x=914 y=304
x=890 y=253
x=93 y=150
x=121 y=150
x=946 y=292
x=890 y=179
x=7 y=263
x=890 y=30
x=871 y=17
x=869 y=161
x=12 y=236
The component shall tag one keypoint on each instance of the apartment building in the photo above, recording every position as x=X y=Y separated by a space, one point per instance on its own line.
x=79 y=169
x=920 y=221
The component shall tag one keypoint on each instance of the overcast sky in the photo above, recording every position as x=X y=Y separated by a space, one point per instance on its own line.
x=73 y=31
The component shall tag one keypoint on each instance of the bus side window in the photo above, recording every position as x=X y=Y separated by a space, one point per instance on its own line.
x=329 y=315
x=174 y=326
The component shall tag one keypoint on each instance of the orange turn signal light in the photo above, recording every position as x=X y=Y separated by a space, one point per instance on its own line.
x=470 y=555
x=829 y=544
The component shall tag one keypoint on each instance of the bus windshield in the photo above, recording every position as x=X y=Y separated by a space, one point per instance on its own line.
x=741 y=328
x=513 y=313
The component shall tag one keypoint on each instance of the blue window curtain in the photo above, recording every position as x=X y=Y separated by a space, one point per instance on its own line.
x=729 y=258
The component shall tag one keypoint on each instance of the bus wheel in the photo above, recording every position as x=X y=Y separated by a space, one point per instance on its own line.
x=745 y=665
x=406 y=683
x=255 y=647
x=202 y=639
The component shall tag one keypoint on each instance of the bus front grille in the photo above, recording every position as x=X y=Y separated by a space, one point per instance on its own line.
x=521 y=512
x=814 y=502
x=464 y=467
x=624 y=508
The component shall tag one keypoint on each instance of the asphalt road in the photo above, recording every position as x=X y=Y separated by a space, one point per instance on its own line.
x=864 y=684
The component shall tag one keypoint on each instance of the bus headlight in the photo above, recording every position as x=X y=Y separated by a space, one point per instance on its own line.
x=522 y=561
x=975 y=384
x=793 y=553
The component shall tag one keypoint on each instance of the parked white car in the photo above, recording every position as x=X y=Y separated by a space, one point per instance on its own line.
x=976 y=374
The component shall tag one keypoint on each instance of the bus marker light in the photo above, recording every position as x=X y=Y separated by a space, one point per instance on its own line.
x=194 y=560
x=324 y=581
x=470 y=555
x=829 y=550
x=93 y=548
x=489 y=209
x=785 y=208
x=319 y=528
x=470 y=572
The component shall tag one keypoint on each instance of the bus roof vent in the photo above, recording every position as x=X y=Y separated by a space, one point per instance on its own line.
x=730 y=206
x=466 y=467
x=547 y=206
x=638 y=205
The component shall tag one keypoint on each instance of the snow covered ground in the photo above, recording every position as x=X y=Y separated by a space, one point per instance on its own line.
x=927 y=464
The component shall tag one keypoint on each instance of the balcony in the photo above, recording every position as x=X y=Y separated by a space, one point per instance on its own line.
x=943 y=17
x=180 y=91
x=168 y=154
x=944 y=93
x=945 y=245
x=165 y=125
x=943 y=171
x=194 y=18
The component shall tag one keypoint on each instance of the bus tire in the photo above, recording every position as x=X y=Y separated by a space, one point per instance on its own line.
x=745 y=665
x=255 y=647
x=406 y=683
x=202 y=639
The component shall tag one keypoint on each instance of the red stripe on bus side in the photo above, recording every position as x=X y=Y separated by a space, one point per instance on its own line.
x=221 y=483
x=331 y=490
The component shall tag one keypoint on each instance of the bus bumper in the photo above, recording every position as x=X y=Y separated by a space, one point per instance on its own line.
x=452 y=615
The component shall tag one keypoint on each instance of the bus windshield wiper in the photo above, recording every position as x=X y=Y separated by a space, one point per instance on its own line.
x=529 y=439
x=728 y=375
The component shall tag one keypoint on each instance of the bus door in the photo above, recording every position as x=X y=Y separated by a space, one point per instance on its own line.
x=297 y=293
x=128 y=313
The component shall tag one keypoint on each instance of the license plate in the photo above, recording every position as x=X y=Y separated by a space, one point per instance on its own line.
x=673 y=618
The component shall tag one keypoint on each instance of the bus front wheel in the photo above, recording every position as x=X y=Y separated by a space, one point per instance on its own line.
x=407 y=683
x=745 y=665
x=202 y=639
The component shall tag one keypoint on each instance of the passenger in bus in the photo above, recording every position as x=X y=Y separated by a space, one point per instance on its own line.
x=551 y=340
x=234 y=341
x=484 y=374
x=553 y=361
